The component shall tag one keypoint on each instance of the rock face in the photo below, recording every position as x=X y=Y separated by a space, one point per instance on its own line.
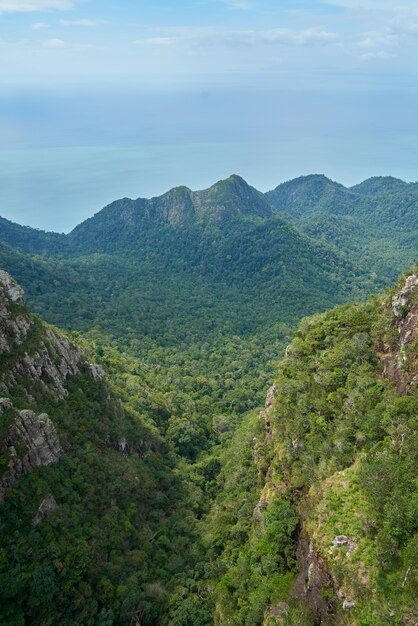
x=397 y=365
x=48 y=505
x=49 y=365
x=343 y=540
x=32 y=441
x=13 y=290
x=13 y=328
x=400 y=301
x=51 y=359
x=44 y=360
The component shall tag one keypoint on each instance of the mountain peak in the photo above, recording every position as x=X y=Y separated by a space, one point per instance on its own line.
x=231 y=197
x=380 y=185
x=301 y=196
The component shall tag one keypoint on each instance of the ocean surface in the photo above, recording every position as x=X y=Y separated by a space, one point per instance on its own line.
x=56 y=188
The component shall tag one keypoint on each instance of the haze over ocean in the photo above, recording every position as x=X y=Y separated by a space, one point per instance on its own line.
x=57 y=188
x=100 y=100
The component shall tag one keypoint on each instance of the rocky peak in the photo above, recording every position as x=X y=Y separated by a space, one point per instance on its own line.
x=231 y=197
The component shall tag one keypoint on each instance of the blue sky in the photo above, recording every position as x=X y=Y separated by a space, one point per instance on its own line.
x=269 y=89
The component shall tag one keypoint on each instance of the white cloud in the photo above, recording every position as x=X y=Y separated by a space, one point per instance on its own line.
x=310 y=36
x=54 y=43
x=373 y=39
x=212 y=37
x=158 y=41
x=30 y=6
x=83 y=22
x=380 y=55
x=39 y=26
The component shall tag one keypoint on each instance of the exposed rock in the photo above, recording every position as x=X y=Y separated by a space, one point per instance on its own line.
x=123 y=447
x=95 y=371
x=343 y=540
x=37 y=436
x=398 y=365
x=278 y=613
x=267 y=407
x=12 y=289
x=313 y=579
x=13 y=329
x=48 y=505
x=347 y=605
x=5 y=403
x=400 y=300
x=50 y=365
x=270 y=397
x=261 y=506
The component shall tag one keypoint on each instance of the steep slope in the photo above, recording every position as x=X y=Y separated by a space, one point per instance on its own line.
x=143 y=263
x=331 y=536
x=91 y=513
x=374 y=222
x=133 y=222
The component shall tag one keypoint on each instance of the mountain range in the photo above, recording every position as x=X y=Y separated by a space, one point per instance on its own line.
x=141 y=481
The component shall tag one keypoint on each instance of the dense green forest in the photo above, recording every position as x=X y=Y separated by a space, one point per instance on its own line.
x=176 y=502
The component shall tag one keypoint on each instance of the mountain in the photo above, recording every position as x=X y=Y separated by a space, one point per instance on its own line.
x=92 y=512
x=320 y=527
x=27 y=239
x=303 y=508
x=143 y=262
x=306 y=195
x=139 y=481
x=374 y=222
x=383 y=185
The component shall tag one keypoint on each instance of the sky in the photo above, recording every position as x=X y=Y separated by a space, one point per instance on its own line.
x=102 y=99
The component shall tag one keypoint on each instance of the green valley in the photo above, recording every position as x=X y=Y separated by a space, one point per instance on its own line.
x=159 y=491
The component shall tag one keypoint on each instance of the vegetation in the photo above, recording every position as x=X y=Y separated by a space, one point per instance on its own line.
x=175 y=505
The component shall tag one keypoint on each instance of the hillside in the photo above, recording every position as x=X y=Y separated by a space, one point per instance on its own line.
x=374 y=222
x=180 y=270
x=321 y=527
x=92 y=515
x=158 y=494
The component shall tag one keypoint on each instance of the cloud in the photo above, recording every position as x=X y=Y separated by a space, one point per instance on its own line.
x=54 y=43
x=380 y=55
x=39 y=26
x=82 y=22
x=373 y=39
x=282 y=36
x=242 y=5
x=368 y=5
x=30 y=6
x=213 y=37
x=309 y=36
x=158 y=41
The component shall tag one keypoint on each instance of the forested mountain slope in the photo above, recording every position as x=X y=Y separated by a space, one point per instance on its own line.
x=93 y=521
x=185 y=268
x=187 y=302
x=375 y=222
x=321 y=527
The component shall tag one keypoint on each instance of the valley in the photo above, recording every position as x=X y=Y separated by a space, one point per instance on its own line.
x=171 y=496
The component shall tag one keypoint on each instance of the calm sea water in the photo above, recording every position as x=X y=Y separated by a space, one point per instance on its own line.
x=57 y=188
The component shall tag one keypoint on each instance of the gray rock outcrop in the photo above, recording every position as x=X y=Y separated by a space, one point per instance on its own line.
x=12 y=289
x=48 y=505
x=32 y=441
